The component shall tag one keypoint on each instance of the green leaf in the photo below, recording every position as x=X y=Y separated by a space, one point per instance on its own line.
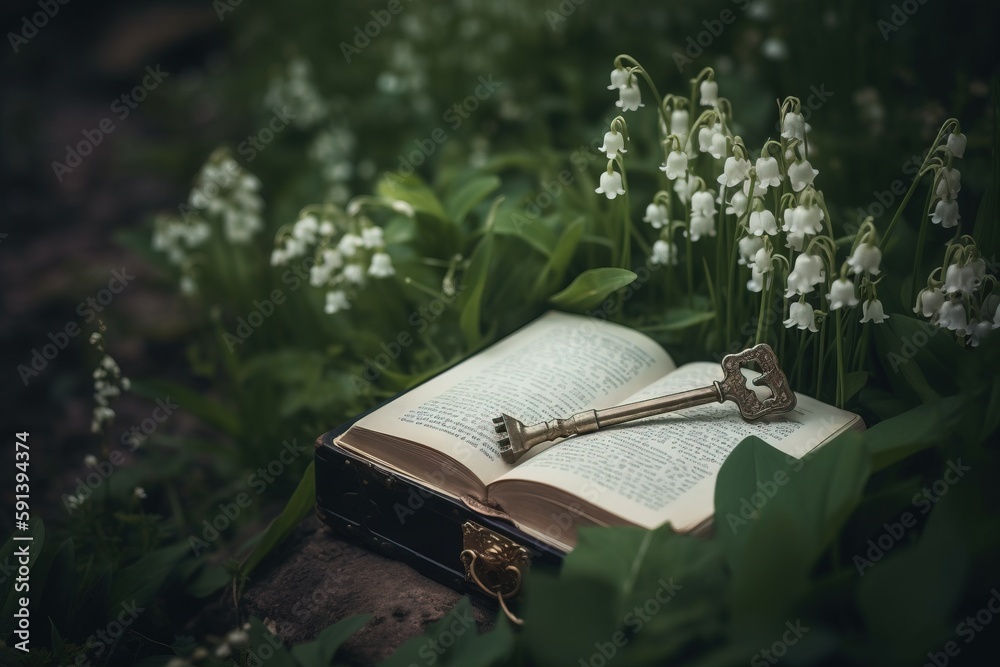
x=896 y=438
x=474 y=285
x=261 y=637
x=320 y=651
x=138 y=583
x=212 y=413
x=592 y=287
x=558 y=263
x=413 y=191
x=299 y=505
x=210 y=579
x=853 y=383
x=468 y=195
x=678 y=319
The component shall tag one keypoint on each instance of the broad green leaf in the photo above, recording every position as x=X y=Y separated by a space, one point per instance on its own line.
x=473 y=288
x=678 y=319
x=299 y=505
x=558 y=262
x=468 y=195
x=413 y=191
x=853 y=383
x=592 y=287
x=138 y=583
x=535 y=232
x=206 y=409
x=209 y=580
x=898 y=437
x=320 y=651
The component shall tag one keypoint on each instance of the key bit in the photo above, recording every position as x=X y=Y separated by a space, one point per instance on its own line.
x=518 y=438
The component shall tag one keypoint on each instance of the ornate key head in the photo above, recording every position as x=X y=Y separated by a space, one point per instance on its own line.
x=733 y=386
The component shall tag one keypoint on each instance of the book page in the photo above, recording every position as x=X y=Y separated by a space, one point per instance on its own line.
x=555 y=367
x=664 y=468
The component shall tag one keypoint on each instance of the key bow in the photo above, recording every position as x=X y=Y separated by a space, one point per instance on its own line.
x=733 y=386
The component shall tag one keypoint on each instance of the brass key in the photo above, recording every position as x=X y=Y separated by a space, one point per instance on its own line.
x=518 y=438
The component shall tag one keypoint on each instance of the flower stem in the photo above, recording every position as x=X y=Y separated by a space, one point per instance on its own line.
x=840 y=362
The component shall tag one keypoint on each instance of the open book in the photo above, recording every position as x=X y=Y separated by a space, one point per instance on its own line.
x=645 y=473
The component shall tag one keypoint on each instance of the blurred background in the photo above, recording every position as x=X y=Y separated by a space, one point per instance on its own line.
x=109 y=110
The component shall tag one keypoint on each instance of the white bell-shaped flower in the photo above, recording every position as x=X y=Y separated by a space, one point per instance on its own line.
x=738 y=205
x=614 y=143
x=629 y=96
x=619 y=78
x=807 y=220
x=676 y=164
x=680 y=123
x=762 y=260
x=758 y=189
x=794 y=126
x=349 y=244
x=703 y=203
x=952 y=316
x=372 y=237
x=709 y=93
x=768 y=174
x=929 y=301
x=961 y=279
x=807 y=272
x=336 y=301
x=956 y=144
x=748 y=247
x=979 y=331
x=762 y=222
x=842 y=294
x=757 y=280
x=801 y=174
x=656 y=215
x=795 y=240
x=611 y=185
x=702 y=225
x=381 y=266
x=949 y=183
x=734 y=172
x=705 y=136
x=685 y=187
x=802 y=316
x=866 y=258
x=946 y=213
x=664 y=253
x=872 y=311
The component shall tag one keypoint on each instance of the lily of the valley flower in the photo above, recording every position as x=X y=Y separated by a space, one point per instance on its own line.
x=758 y=189
x=801 y=315
x=807 y=273
x=614 y=143
x=739 y=204
x=381 y=266
x=956 y=144
x=656 y=215
x=866 y=258
x=767 y=172
x=872 y=311
x=709 y=93
x=801 y=174
x=946 y=213
x=611 y=184
x=676 y=164
x=979 y=331
x=757 y=280
x=842 y=294
x=762 y=222
x=664 y=253
x=734 y=172
x=680 y=123
x=803 y=220
x=762 y=260
x=619 y=78
x=949 y=183
x=629 y=96
x=952 y=316
x=748 y=247
x=703 y=203
x=702 y=225
x=963 y=279
x=929 y=301
x=336 y=301
x=794 y=126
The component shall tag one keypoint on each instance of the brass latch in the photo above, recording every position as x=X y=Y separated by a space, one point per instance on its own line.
x=496 y=564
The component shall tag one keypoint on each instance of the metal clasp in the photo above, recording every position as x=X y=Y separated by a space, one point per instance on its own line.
x=494 y=563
